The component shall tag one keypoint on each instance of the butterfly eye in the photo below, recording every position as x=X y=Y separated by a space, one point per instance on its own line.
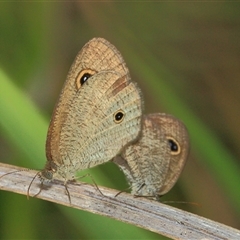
x=83 y=76
x=174 y=146
x=119 y=116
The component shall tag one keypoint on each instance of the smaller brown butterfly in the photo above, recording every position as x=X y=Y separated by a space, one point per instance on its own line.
x=153 y=164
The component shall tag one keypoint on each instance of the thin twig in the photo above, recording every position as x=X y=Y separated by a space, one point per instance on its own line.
x=152 y=215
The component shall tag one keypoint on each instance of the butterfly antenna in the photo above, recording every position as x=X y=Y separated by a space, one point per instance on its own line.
x=22 y=170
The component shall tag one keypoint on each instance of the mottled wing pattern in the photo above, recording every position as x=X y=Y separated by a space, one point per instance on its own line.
x=98 y=112
x=153 y=164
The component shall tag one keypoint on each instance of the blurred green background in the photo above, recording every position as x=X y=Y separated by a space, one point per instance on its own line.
x=185 y=57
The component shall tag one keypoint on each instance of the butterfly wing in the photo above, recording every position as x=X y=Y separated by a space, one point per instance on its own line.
x=153 y=164
x=99 y=111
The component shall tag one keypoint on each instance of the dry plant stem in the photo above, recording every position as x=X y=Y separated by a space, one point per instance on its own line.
x=151 y=215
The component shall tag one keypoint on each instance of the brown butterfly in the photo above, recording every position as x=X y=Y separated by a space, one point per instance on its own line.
x=153 y=164
x=99 y=111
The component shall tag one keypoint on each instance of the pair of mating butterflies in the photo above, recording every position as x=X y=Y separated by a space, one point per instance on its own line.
x=99 y=117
